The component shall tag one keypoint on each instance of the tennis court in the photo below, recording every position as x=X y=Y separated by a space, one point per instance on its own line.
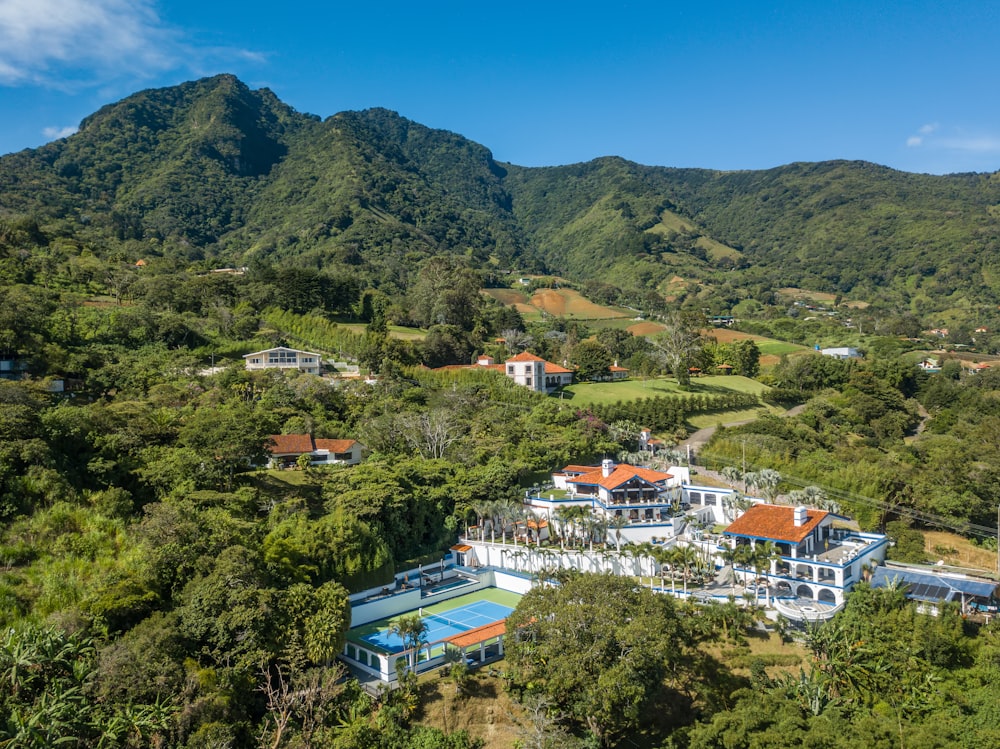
x=443 y=620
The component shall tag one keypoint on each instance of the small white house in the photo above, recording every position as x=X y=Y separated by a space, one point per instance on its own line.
x=841 y=352
x=282 y=357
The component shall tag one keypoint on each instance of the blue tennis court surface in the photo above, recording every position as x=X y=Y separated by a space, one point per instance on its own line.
x=445 y=624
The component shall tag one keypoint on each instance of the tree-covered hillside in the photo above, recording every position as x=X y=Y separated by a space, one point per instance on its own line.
x=213 y=170
x=847 y=227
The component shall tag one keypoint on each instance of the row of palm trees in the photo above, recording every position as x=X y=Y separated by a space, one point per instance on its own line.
x=756 y=557
x=766 y=481
x=577 y=525
x=680 y=562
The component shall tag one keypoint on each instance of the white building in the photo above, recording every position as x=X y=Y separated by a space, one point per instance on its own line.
x=284 y=358
x=813 y=559
x=841 y=352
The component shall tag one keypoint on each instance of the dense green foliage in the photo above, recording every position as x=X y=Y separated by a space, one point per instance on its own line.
x=212 y=170
x=157 y=589
x=882 y=429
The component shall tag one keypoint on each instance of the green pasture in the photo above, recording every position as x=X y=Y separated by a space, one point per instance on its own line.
x=777 y=348
x=591 y=393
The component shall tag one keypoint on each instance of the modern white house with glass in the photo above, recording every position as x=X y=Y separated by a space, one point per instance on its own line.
x=283 y=357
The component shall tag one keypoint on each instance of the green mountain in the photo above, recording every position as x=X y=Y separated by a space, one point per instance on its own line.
x=211 y=169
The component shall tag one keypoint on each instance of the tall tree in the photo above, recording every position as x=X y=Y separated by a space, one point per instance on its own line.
x=602 y=650
x=678 y=345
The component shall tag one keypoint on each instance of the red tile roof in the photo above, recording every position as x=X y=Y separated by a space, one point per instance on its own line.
x=616 y=368
x=619 y=476
x=551 y=368
x=775 y=522
x=576 y=469
x=525 y=356
x=290 y=444
x=335 y=446
x=478 y=635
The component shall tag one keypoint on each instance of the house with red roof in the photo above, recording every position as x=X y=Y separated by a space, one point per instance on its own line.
x=284 y=451
x=813 y=559
x=640 y=501
x=534 y=373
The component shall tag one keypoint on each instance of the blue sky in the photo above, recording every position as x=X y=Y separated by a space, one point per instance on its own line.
x=721 y=85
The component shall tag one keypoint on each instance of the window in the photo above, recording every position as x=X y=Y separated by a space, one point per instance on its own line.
x=510 y=369
x=282 y=357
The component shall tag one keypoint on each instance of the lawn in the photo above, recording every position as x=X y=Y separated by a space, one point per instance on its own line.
x=587 y=393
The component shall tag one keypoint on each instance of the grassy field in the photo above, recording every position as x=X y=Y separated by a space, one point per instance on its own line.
x=586 y=393
x=959 y=551
x=715 y=418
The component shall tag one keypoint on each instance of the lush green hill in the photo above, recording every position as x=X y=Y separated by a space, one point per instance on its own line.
x=848 y=227
x=213 y=169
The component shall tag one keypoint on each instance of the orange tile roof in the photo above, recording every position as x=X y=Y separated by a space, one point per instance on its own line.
x=287 y=444
x=335 y=446
x=551 y=368
x=460 y=547
x=478 y=635
x=616 y=368
x=525 y=356
x=620 y=475
x=576 y=469
x=775 y=522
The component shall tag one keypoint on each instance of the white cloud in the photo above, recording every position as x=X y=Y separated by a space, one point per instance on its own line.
x=54 y=133
x=972 y=143
x=62 y=42
x=915 y=141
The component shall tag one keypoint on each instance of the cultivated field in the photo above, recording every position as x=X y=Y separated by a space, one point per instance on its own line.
x=558 y=303
x=816 y=297
x=771 y=349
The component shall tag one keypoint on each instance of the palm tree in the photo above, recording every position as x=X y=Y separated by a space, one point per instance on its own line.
x=744 y=557
x=768 y=480
x=668 y=558
x=565 y=515
x=763 y=553
x=617 y=523
x=413 y=631
x=686 y=557
x=732 y=474
x=482 y=509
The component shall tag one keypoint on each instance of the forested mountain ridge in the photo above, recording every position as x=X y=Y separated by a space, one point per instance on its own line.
x=212 y=169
